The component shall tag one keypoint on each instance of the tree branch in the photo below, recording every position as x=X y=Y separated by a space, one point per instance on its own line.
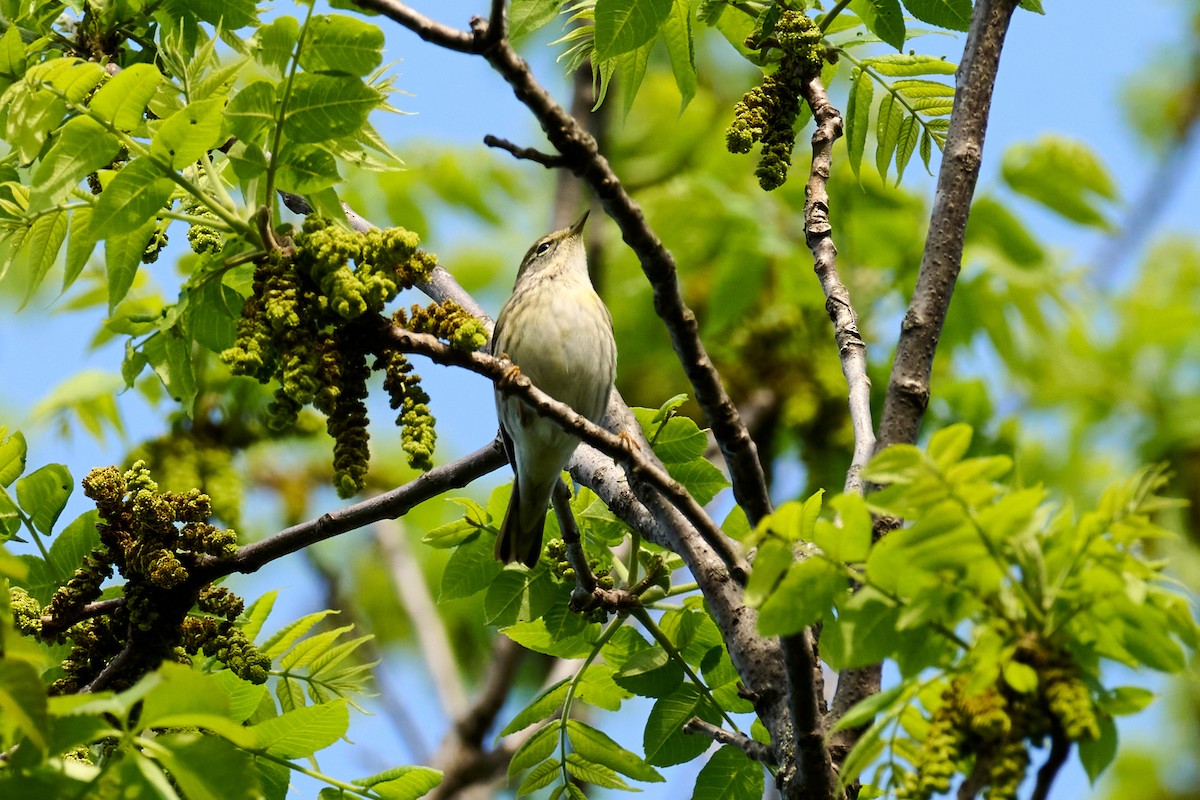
x=757 y=751
x=818 y=234
x=581 y=154
x=1060 y=749
x=388 y=505
x=908 y=388
x=525 y=153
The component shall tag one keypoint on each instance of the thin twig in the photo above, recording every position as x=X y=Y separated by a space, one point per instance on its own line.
x=588 y=593
x=525 y=153
x=757 y=751
x=100 y=608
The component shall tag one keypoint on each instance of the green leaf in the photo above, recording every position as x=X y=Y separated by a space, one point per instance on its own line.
x=123 y=99
x=229 y=14
x=542 y=706
x=729 y=775
x=539 y=777
x=289 y=634
x=23 y=701
x=597 y=774
x=804 y=596
x=1021 y=677
x=884 y=18
x=650 y=673
x=526 y=16
x=170 y=356
x=403 y=783
x=12 y=456
x=336 y=43
x=624 y=25
x=81 y=243
x=39 y=249
x=896 y=65
x=865 y=710
x=677 y=33
x=858 y=115
x=534 y=750
x=212 y=315
x=1124 y=700
x=136 y=194
x=305 y=169
x=598 y=748
x=82 y=147
x=208 y=767
x=189 y=133
x=43 y=494
x=850 y=542
x=700 y=477
x=952 y=14
x=1097 y=754
x=536 y=636
x=906 y=142
x=891 y=115
x=896 y=464
x=122 y=255
x=471 y=569
x=516 y=595
x=772 y=562
x=12 y=56
x=950 y=444
x=324 y=107
x=1063 y=175
x=664 y=741
x=303 y=731
x=251 y=111
x=991 y=222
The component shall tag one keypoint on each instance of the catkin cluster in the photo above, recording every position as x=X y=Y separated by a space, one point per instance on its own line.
x=994 y=727
x=152 y=538
x=767 y=113
x=310 y=326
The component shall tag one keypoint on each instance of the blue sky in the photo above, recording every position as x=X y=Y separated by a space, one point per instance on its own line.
x=1060 y=73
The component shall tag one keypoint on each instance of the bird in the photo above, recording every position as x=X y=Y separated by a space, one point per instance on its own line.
x=557 y=332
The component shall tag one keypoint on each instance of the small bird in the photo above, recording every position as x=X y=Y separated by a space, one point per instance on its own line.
x=557 y=331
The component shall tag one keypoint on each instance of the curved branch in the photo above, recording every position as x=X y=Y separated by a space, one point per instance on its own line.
x=852 y=350
x=908 y=387
x=581 y=154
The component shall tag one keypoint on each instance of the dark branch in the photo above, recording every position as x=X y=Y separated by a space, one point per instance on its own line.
x=816 y=778
x=1060 y=749
x=908 y=388
x=386 y=506
x=757 y=751
x=526 y=153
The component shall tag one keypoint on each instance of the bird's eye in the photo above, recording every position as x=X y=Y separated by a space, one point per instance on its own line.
x=543 y=247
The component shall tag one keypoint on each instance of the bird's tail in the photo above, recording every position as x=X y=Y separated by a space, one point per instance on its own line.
x=520 y=536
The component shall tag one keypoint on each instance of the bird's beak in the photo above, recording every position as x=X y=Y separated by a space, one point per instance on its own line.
x=577 y=228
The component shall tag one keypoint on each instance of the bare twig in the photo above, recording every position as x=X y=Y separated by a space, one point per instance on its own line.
x=818 y=233
x=588 y=593
x=755 y=750
x=581 y=154
x=526 y=153
x=100 y=608
x=908 y=389
x=418 y=604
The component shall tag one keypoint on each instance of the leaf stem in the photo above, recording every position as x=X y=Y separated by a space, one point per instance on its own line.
x=833 y=12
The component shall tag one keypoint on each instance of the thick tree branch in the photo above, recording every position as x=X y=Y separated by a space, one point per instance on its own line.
x=819 y=235
x=908 y=388
x=1060 y=749
x=581 y=154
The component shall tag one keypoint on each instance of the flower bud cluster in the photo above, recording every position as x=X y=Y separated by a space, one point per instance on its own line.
x=767 y=113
